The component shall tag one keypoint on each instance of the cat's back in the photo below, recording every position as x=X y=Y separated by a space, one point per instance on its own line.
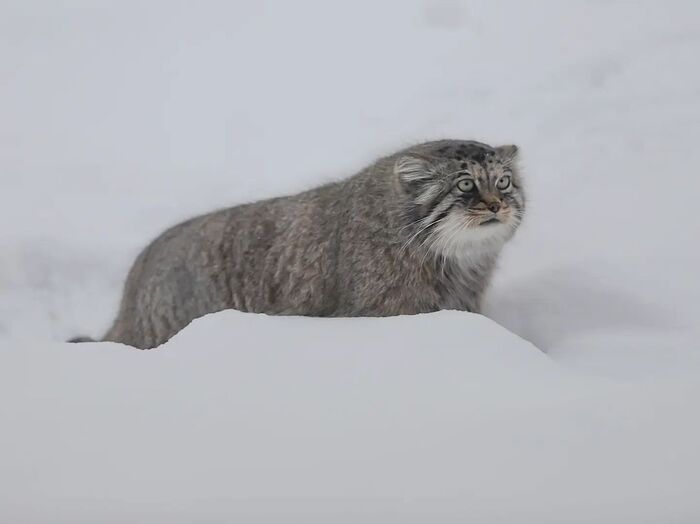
x=205 y=239
x=213 y=258
x=191 y=269
x=244 y=227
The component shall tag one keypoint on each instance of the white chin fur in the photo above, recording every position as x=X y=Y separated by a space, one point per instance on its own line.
x=455 y=239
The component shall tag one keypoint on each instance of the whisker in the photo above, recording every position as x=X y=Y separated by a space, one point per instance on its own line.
x=412 y=238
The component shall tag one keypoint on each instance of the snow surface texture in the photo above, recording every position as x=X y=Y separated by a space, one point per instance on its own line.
x=121 y=118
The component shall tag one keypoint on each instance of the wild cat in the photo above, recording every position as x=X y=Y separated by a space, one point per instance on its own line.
x=415 y=232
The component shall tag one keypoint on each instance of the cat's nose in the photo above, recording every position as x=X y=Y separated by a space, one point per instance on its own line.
x=494 y=206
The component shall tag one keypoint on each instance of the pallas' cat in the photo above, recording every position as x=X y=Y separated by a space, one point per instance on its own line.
x=417 y=231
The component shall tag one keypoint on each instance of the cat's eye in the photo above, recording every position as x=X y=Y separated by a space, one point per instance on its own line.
x=503 y=182
x=465 y=185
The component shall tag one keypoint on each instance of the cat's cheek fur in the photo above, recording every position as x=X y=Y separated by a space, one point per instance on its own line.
x=455 y=240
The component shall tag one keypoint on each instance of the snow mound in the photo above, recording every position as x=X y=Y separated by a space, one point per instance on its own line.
x=246 y=417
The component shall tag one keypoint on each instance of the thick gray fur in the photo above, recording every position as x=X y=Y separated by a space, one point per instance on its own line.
x=399 y=237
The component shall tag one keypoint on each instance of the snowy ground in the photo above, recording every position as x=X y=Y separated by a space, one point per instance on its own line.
x=118 y=119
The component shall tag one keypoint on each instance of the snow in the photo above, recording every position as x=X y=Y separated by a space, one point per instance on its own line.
x=247 y=415
x=577 y=402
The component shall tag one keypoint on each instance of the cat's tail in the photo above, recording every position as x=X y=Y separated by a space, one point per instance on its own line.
x=76 y=340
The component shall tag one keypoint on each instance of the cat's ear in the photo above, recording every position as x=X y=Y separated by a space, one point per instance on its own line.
x=508 y=153
x=413 y=169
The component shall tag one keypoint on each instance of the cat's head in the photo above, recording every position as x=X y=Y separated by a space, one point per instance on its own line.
x=460 y=194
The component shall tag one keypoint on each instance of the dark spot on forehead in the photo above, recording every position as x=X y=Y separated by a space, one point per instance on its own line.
x=477 y=152
x=463 y=165
x=463 y=152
